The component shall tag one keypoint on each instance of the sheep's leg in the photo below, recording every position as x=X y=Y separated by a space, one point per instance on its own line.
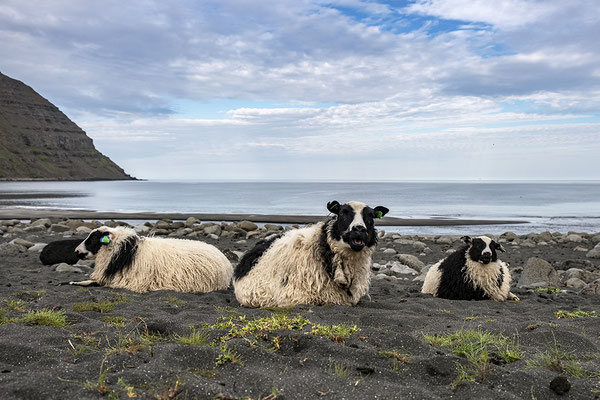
x=85 y=283
x=512 y=296
x=342 y=276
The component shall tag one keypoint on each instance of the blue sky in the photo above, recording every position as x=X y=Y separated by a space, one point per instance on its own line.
x=321 y=90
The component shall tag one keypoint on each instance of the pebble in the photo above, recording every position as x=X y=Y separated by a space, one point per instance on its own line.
x=64 y=267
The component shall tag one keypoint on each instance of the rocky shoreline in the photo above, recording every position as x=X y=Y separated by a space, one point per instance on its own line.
x=117 y=343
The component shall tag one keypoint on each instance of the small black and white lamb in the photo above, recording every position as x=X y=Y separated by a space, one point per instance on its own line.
x=60 y=251
x=325 y=263
x=473 y=272
x=126 y=260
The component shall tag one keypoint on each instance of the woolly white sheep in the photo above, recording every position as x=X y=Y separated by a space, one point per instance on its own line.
x=325 y=263
x=126 y=260
x=473 y=272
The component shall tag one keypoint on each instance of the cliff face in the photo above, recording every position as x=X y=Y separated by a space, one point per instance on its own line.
x=38 y=141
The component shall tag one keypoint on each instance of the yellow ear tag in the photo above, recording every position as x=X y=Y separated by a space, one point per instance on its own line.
x=105 y=240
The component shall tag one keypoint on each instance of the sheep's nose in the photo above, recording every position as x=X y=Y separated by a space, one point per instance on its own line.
x=359 y=228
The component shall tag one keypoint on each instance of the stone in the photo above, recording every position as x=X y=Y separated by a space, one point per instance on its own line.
x=527 y=243
x=213 y=236
x=162 y=225
x=560 y=385
x=45 y=222
x=574 y=238
x=239 y=254
x=37 y=248
x=141 y=229
x=22 y=242
x=252 y=234
x=86 y=263
x=176 y=225
x=575 y=283
x=11 y=249
x=271 y=227
x=74 y=224
x=59 y=228
x=411 y=261
x=83 y=229
x=595 y=238
x=509 y=236
x=35 y=228
x=538 y=270
x=213 y=230
x=595 y=252
x=389 y=251
x=444 y=240
x=247 y=226
x=450 y=251
x=591 y=288
x=400 y=269
x=64 y=267
x=191 y=221
x=10 y=222
x=160 y=232
x=376 y=266
x=573 y=273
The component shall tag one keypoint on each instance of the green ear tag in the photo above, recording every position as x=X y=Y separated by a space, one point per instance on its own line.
x=379 y=214
x=501 y=248
x=105 y=240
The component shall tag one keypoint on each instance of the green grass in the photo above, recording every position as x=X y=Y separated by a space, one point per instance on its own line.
x=341 y=370
x=4 y=318
x=30 y=295
x=227 y=355
x=557 y=360
x=99 y=385
x=102 y=306
x=549 y=290
x=16 y=305
x=240 y=326
x=575 y=314
x=463 y=374
x=117 y=321
x=194 y=338
x=480 y=348
x=132 y=342
x=57 y=319
x=176 y=302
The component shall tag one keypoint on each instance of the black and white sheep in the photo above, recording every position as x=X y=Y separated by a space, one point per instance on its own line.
x=325 y=263
x=60 y=251
x=473 y=272
x=126 y=260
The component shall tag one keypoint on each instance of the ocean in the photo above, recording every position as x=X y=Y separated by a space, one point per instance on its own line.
x=546 y=206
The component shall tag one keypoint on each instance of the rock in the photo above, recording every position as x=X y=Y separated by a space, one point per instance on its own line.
x=11 y=249
x=162 y=225
x=376 y=266
x=546 y=237
x=389 y=251
x=83 y=229
x=411 y=261
x=527 y=243
x=36 y=228
x=560 y=385
x=575 y=283
x=595 y=252
x=573 y=273
x=64 y=267
x=213 y=236
x=450 y=251
x=444 y=240
x=213 y=230
x=176 y=225
x=141 y=229
x=574 y=238
x=191 y=221
x=252 y=234
x=160 y=232
x=591 y=288
x=86 y=263
x=59 y=228
x=239 y=254
x=74 y=224
x=247 y=226
x=36 y=248
x=509 y=236
x=580 y=248
x=400 y=269
x=537 y=270
x=22 y=242
x=10 y=222
x=271 y=227
x=45 y=222
x=595 y=238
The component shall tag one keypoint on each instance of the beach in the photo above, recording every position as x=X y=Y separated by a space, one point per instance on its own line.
x=396 y=343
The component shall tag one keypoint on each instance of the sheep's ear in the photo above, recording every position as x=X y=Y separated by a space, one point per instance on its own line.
x=333 y=206
x=499 y=247
x=380 y=211
x=466 y=239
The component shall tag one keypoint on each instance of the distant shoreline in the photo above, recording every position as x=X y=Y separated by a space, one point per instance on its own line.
x=20 y=213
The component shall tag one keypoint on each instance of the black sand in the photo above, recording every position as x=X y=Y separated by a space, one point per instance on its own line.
x=387 y=358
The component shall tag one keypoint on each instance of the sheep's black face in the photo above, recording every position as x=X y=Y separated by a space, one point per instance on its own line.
x=355 y=223
x=92 y=244
x=483 y=249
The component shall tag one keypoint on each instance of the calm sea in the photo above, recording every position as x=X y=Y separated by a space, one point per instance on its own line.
x=553 y=206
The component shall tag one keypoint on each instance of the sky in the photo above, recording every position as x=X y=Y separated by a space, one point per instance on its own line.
x=341 y=90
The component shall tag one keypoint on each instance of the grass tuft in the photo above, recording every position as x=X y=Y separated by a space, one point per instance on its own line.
x=46 y=317
x=195 y=338
x=339 y=369
x=117 y=321
x=575 y=314
x=228 y=355
x=549 y=290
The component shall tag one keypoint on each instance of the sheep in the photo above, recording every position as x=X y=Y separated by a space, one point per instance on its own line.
x=473 y=272
x=325 y=263
x=60 y=251
x=140 y=264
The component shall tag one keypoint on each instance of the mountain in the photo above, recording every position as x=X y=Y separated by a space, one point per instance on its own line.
x=39 y=142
